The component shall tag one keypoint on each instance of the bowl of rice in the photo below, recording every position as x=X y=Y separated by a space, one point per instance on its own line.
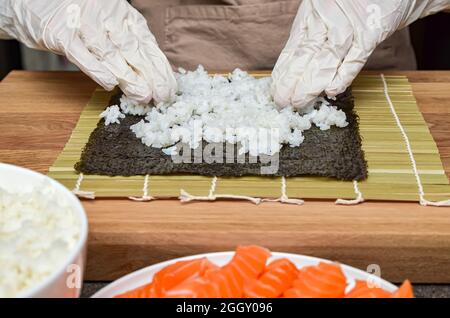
x=43 y=235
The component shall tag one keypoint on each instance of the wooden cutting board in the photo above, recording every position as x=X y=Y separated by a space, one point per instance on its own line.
x=405 y=240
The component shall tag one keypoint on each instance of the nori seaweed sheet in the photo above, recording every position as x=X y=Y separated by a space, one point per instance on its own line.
x=114 y=150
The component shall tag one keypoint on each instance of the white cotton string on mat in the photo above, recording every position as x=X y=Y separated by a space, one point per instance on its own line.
x=186 y=197
x=145 y=196
x=82 y=194
x=284 y=197
x=359 y=197
x=423 y=201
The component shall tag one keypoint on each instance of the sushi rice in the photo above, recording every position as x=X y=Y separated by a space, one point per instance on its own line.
x=38 y=229
x=237 y=109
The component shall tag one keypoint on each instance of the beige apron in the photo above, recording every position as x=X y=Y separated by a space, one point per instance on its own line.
x=249 y=34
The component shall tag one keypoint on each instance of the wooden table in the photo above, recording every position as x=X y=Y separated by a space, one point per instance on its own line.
x=40 y=109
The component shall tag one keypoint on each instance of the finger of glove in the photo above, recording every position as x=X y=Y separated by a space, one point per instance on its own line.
x=349 y=69
x=308 y=44
x=297 y=61
x=79 y=54
x=297 y=35
x=164 y=78
x=131 y=83
x=322 y=69
x=139 y=48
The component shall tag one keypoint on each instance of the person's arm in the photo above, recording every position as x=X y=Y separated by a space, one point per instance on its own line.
x=331 y=41
x=107 y=39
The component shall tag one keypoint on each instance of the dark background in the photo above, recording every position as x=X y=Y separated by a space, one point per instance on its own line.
x=430 y=38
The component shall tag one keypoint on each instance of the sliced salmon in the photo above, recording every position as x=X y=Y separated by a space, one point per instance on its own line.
x=178 y=273
x=249 y=262
x=277 y=278
x=404 y=291
x=325 y=280
x=198 y=287
x=247 y=275
x=221 y=283
x=281 y=262
x=363 y=290
x=146 y=291
x=226 y=282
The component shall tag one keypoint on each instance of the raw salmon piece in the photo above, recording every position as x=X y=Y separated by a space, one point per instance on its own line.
x=405 y=291
x=198 y=287
x=293 y=293
x=249 y=262
x=277 y=278
x=218 y=279
x=227 y=281
x=284 y=262
x=146 y=291
x=363 y=290
x=325 y=280
x=234 y=280
x=179 y=272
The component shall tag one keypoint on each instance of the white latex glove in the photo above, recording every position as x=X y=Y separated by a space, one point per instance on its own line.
x=107 y=39
x=331 y=40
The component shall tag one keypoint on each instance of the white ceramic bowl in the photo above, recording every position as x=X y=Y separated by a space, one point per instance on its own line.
x=17 y=179
x=145 y=275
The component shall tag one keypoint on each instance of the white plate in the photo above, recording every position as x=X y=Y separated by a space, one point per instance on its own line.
x=145 y=275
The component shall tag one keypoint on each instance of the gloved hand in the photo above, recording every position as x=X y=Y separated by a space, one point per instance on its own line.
x=107 y=39
x=331 y=41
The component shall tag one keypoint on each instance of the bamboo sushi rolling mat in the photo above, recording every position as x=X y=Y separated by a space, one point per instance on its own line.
x=403 y=160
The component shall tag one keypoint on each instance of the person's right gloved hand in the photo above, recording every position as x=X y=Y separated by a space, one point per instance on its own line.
x=331 y=40
x=107 y=39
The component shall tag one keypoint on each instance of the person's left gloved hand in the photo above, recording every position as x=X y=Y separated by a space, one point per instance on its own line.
x=331 y=40
x=107 y=39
